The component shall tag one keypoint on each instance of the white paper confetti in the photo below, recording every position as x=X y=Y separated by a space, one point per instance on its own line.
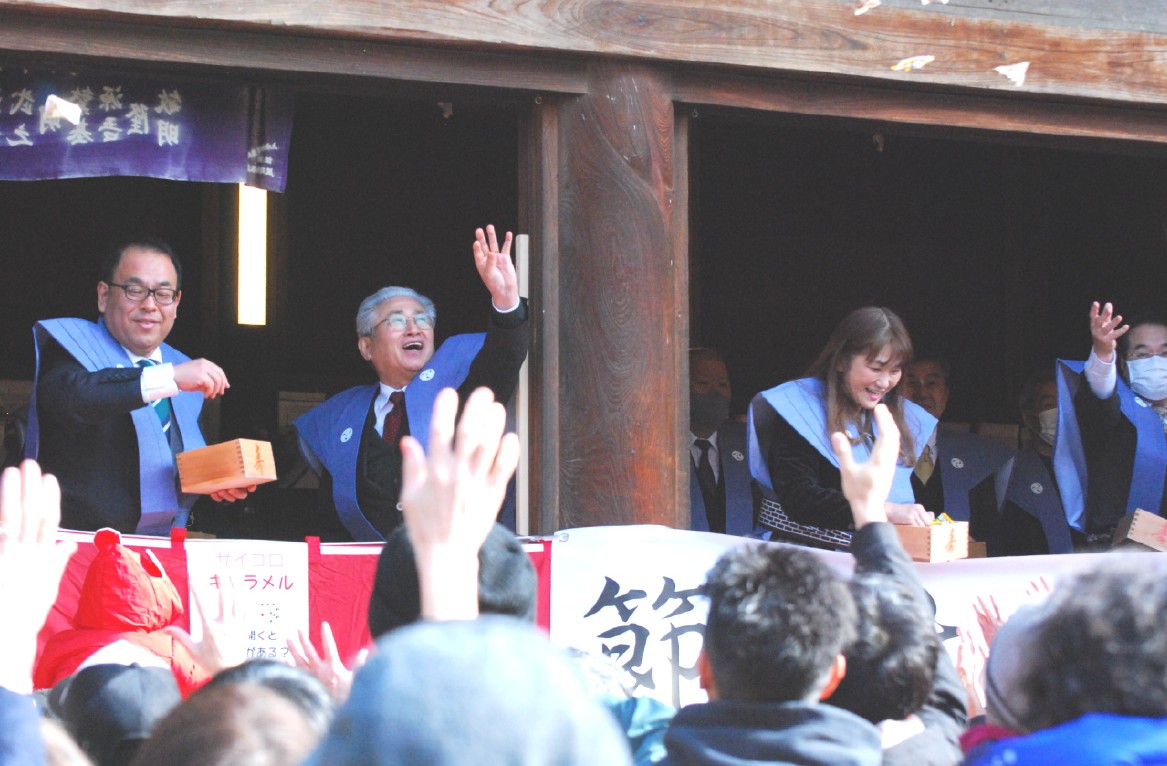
x=866 y=5
x=1015 y=72
x=915 y=62
x=58 y=108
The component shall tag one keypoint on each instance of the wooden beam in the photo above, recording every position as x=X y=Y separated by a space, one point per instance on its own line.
x=1072 y=51
x=993 y=113
x=273 y=54
x=620 y=316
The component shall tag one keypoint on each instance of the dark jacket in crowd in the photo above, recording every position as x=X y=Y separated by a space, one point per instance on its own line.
x=725 y=733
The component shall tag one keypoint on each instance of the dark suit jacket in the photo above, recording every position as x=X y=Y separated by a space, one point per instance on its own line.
x=87 y=440
x=733 y=479
x=962 y=483
x=1109 y=440
x=379 y=484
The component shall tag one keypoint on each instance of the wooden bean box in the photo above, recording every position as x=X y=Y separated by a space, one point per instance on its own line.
x=1143 y=529
x=237 y=463
x=936 y=542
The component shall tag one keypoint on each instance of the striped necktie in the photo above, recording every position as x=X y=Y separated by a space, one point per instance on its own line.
x=161 y=406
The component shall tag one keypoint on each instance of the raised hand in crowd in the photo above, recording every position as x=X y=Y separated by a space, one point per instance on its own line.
x=866 y=485
x=451 y=497
x=327 y=664
x=496 y=269
x=31 y=566
x=223 y=643
x=1106 y=328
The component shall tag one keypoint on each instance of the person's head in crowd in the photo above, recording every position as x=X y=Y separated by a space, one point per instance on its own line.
x=861 y=366
x=891 y=666
x=470 y=693
x=709 y=391
x=507 y=583
x=236 y=724
x=110 y=710
x=395 y=333
x=297 y=685
x=1142 y=355
x=779 y=620
x=1101 y=646
x=926 y=384
x=1038 y=404
x=60 y=748
x=1006 y=700
x=139 y=293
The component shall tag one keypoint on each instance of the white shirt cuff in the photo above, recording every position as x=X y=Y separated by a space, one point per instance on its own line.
x=506 y=311
x=158 y=382
x=1102 y=376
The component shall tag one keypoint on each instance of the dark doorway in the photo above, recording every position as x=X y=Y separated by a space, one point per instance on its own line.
x=991 y=252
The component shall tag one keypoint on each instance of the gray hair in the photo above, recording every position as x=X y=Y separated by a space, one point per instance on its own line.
x=367 y=313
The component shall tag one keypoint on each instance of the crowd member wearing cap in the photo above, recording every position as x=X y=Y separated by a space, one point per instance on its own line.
x=507 y=583
x=110 y=710
x=1080 y=677
x=352 y=441
x=31 y=566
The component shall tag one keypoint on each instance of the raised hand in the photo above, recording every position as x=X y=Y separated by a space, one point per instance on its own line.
x=1106 y=328
x=496 y=269
x=223 y=643
x=451 y=497
x=866 y=485
x=326 y=665
x=31 y=566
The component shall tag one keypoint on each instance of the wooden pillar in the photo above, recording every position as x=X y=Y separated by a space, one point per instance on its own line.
x=619 y=312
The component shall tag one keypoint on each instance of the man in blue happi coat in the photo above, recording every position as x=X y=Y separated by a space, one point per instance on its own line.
x=352 y=441
x=113 y=403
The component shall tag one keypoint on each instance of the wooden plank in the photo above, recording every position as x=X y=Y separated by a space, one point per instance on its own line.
x=1070 y=52
x=274 y=55
x=619 y=319
x=1004 y=113
x=538 y=214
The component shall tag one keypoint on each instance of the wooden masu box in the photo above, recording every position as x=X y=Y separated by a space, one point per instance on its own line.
x=237 y=463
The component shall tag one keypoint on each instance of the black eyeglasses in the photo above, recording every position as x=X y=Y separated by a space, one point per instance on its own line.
x=163 y=296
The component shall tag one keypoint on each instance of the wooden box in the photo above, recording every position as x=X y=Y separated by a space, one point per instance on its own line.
x=238 y=463
x=1142 y=528
x=936 y=542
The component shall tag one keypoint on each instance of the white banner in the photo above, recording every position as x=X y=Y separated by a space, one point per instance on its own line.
x=631 y=592
x=270 y=583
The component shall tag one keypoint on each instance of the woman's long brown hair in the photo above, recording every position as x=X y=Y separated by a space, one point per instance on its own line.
x=866 y=331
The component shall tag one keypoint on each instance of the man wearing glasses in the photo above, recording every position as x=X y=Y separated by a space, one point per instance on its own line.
x=1112 y=424
x=113 y=403
x=352 y=441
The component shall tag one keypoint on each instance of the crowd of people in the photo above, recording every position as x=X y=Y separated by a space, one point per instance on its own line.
x=801 y=665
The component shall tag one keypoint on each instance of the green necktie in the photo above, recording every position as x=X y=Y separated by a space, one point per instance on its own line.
x=161 y=406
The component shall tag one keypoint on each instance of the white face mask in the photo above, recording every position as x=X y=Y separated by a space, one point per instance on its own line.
x=1048 y=421
x=1149 y=377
